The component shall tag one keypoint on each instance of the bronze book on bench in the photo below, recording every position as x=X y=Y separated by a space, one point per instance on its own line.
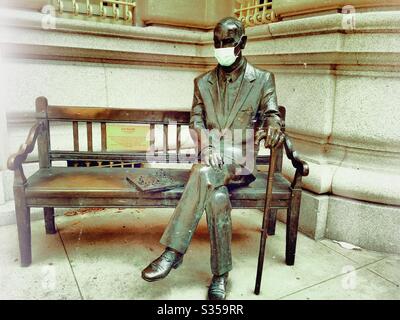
x=154 y=182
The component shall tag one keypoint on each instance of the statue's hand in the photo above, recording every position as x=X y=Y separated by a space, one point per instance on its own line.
x=272 y=135
x=212 y=157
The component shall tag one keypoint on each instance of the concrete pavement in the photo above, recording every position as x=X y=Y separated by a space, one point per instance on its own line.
x=100 y=255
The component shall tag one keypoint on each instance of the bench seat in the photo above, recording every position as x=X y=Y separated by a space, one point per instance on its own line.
x=108 y=187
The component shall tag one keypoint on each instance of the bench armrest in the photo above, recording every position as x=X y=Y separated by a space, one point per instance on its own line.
x=15 y=160
x=301 y=166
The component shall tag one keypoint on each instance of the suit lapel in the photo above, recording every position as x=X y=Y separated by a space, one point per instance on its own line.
x=216 y=111
x=244 y=91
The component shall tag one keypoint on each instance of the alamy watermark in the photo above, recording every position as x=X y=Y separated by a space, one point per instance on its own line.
x=235 y=146
x=348 y=18
x=49 y=17
x=349 y=280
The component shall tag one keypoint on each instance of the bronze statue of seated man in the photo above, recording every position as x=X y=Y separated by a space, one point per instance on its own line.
x=233 y=96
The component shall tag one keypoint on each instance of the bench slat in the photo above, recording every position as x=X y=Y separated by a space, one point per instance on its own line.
x=165 y=139
x=75 y=129
x=103 y=136
x=115 y=156
x=89 y=135
x=152 y=137
x=129 y=202
x=178 y=139
x=130 y=156
x=64 y=113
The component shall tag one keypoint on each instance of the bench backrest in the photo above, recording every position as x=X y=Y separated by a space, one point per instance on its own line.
x=91 y=115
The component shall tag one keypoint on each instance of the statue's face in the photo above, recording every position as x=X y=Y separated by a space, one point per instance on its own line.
x=226 y=35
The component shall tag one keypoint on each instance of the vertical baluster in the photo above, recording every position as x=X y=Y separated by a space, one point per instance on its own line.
x=103 y=12
x=89 y=8
x=128 y=12
x=254 y=11
x=89 y=136
x=115 y=10
x=60 y=6
x=264 y=14
x=103 y=137
x=76 y=135
x=75 y=7
x=241 y=11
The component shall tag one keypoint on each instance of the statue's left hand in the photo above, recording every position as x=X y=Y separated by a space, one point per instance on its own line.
x=272 y=135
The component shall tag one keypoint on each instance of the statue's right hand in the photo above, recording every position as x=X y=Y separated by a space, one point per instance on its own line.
x=212 y=157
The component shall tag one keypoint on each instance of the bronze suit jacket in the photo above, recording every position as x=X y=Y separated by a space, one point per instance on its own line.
x=255 y=106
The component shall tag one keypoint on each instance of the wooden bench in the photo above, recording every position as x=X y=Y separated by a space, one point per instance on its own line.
x=105 y=185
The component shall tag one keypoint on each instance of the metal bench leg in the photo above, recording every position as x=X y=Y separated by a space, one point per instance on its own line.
x=49 y=220
x=292 y=224
x=23 y=225
x=272 y=222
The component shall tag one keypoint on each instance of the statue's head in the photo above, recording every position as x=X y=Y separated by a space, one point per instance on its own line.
x=229 y=41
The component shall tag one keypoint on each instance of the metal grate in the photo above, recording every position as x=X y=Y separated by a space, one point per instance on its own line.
x=110 y=11
x=255 y=12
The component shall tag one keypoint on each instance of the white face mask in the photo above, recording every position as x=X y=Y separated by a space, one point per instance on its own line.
x=225 y=56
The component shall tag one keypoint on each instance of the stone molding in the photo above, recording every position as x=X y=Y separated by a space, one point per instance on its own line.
x=373 y=42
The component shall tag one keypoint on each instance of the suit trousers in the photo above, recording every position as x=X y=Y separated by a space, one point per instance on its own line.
x=206 y=190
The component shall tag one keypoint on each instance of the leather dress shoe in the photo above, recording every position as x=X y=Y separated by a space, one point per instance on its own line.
x=161 y=267
x=217 y=289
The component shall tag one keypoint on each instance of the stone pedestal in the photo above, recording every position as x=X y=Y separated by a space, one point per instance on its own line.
x=365 y=224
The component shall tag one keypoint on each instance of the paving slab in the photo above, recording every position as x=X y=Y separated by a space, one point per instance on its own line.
x=48 y=277
x=388 y=268
x=108 y=249
x=314 y=262
x=356 y=285
x=360 y=257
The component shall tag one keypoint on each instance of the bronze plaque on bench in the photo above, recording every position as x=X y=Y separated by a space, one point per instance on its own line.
x=128 y=137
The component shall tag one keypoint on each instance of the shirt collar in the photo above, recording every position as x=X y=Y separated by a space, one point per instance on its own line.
x=235 y=74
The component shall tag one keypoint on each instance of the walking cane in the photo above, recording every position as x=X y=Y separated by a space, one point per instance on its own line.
x=267 y=209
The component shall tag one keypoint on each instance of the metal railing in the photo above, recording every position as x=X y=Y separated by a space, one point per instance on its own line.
x=113 y=10
x=255 y=12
